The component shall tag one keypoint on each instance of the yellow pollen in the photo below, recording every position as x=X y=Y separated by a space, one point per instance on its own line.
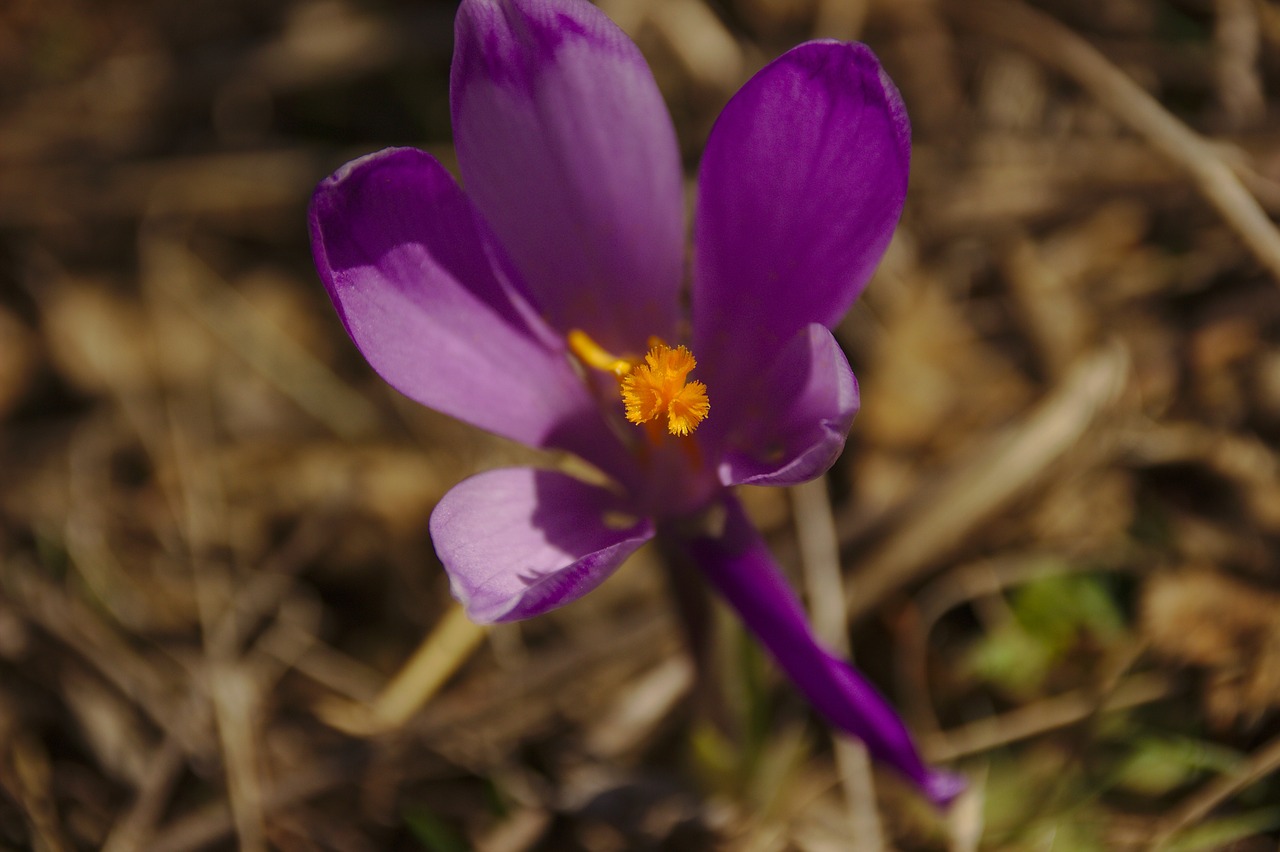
x=657 y=388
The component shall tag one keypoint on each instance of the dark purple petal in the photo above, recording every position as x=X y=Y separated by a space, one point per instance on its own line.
x=411 y=270
x=520 y=542
x=739 y=566
x=801 y=185
x=568 y=151
x=790 y=424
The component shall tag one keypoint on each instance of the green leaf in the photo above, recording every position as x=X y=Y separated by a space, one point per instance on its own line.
x=1157 y=765
x=1012 y=659
x=432 y=832
x=1057 y=609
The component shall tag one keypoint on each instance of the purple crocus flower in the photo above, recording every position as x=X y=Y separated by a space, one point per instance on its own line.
x=545 y=304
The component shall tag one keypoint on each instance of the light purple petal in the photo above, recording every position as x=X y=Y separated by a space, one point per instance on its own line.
x=520 y=542
x=801 y=185
x=791 y=422
x=405 y=260
x=568 y=151
x=739 y=566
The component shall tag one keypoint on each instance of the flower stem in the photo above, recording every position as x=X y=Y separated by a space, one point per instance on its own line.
x=693 y=605
x=441 y=653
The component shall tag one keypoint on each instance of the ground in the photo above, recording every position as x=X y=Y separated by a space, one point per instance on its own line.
x=1057 y=518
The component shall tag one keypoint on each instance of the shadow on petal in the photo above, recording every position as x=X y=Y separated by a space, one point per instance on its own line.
x=519 y=542
x=788 y=424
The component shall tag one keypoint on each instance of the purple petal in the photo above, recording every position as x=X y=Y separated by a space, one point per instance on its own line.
x=568 y=151
x=520 y=542
x=801 y=185
x=790 y=424
x=409 y=267
x=739 y=566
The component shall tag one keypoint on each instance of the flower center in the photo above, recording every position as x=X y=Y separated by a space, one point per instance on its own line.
x=653 y=389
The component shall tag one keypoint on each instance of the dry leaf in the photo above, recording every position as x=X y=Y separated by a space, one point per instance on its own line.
x=1203 y=618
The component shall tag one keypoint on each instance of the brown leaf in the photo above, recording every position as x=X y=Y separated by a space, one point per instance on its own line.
x=1203 y=618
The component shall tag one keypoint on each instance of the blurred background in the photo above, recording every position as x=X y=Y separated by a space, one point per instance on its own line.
x=1058 y=515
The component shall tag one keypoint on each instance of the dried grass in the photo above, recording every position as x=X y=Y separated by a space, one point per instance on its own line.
x=1056 y=521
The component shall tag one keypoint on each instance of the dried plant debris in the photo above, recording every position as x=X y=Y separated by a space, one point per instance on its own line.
x=1057 y=515
x=1228 y=628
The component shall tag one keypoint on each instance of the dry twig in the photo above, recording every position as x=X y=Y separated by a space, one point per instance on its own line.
x=1044 y=716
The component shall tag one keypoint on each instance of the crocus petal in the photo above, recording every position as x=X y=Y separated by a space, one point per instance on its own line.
x=567 y=149
x=790 y=424
x=520 y=542
x=406 y=262
x=739 y=566
x=801 y=185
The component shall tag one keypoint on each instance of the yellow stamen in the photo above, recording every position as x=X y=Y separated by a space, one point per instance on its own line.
x=655 y=389
x=593 y=355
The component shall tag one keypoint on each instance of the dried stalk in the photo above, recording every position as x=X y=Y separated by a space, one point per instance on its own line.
x=1042 y=717
x=820 y=552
